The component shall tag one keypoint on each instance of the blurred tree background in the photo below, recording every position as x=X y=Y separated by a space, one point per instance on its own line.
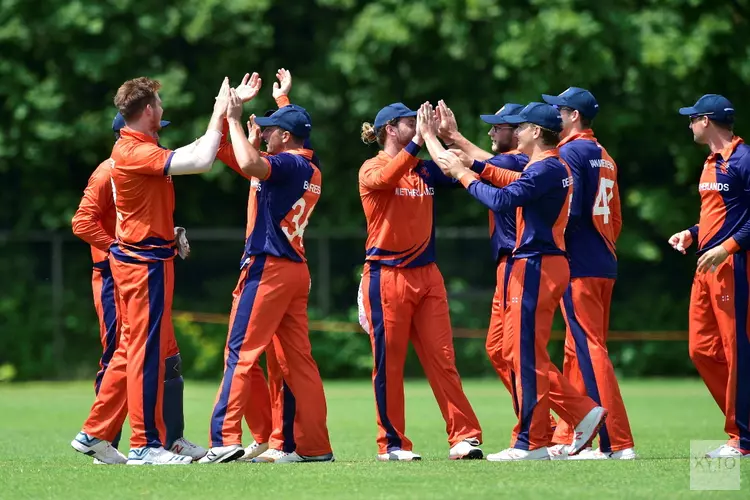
x=61 y=65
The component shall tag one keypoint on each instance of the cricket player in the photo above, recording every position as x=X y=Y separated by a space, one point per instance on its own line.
x=142 y=266
x=590 y=240
x=402 y=293
x=270 y=301
x=94 y=222
x=718 y=332
x=540 y=195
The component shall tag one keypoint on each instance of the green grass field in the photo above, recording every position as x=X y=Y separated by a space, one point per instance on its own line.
x=37 y=422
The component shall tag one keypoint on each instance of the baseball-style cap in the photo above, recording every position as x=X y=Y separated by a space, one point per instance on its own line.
x=291 y=118
x=577 y=98
x=508 y=109
x=540 y=114
x=119 y=122
x=391 y=112
x=715 y=106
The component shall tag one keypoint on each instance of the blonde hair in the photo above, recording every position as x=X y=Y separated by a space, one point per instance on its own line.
x=369 y=135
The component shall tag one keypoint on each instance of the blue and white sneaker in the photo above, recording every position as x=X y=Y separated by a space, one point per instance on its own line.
x=101 y=450
x=156 y=456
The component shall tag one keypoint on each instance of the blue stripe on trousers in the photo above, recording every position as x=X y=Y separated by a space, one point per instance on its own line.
x=287 y=424
x=378 y=333
x=585 y=362
x=742 y=353
x=109 y=310
x=531 y=280
x=152 y=359
x=237 y=332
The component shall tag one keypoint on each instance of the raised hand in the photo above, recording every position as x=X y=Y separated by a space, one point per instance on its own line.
x=249 y=87
x=447 y=125
x=449 y=163
x=234 y=109
x=222 y=99
x=284 y=84
x=253 y=132
x=429 y=127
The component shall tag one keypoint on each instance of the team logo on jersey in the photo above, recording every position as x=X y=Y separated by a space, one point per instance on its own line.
x=415 y=193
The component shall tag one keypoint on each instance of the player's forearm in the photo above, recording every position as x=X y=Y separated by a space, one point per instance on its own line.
x=196 y=158
x=739 y=241
x=389 y=174
x=87 y=228
x=248 y=158
x=497 y=176
x=434 y=147
x=459 y=141
x=496 y=199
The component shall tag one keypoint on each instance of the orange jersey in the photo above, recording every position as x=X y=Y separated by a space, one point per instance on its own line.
x=396 y=194
x=725 y=210
x=94 y=221
x=595 y=216
x=144 y=198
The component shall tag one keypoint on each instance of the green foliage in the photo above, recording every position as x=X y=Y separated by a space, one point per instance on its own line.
x=62 y=64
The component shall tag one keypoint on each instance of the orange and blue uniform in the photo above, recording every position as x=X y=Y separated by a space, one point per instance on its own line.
x=539 y=273
x=143 y=269
x=404 y=296
x=94 y=222
x=718 y=333
x=590 y=239
x=270 y=308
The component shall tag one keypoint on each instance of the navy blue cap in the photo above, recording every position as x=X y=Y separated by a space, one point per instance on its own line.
x=715 y=106
x=540 y=114
x=508 y=109
x=577 y=98
x=119 y=122
x=292 y=118
x=391 y=112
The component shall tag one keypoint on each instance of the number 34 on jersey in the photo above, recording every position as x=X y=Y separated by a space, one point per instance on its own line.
x=295 y=222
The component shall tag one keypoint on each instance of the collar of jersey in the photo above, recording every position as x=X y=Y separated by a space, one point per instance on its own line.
x=305 y=153
x=550 y=153
x=727 y=152
x=586 y=134
x=129 y=133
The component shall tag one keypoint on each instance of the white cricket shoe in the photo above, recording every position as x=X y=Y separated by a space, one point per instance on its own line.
x=626 y=454
x=558 y=452
x=726 y=451
x=98 y=448
x=269 y=456
x=514 y=454
x=253 y=451
x=222 y=454
x=282 y=457
x=400 y=456
x=187 y=449
x=586 y=430
x=468 y=449
x=155 y=456
x=590 y=454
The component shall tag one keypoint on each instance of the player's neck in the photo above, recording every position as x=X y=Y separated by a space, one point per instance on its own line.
x=720 y=140
x=574 y=129
x=392 y=149
x=538 y=152
x=143 y=129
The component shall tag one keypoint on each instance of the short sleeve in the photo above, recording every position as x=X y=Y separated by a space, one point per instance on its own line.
x=284 y=167
x=146 y=159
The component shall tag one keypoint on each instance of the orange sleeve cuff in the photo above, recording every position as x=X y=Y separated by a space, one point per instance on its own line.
x=731 y=246
x=467 y=178
x=283 y=100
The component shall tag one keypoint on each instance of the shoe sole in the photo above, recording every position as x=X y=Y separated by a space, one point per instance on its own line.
x=248 y=457
x=475 y=454
x=596 y=430
x=388 y=459
x=82 y=448
x=229 y=457
x=141 y=462
x=517 y=459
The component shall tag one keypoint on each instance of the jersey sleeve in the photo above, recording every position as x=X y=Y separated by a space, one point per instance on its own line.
x=147 y=159
x=97 y=200
x=741 y=239
x=283 y=167
x=378 y=175
x=530 y=186
x=437 y=177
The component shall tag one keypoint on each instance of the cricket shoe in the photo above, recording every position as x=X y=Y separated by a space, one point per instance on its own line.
x=399 y=456
x=626 y=454
x=558 y=452
x=282 y=457
x=514 y=454
x=156 y=456
x=222 y=454
x=590 y=454
x=253 y=451
x=586 y=430
x=98 y=448
x=468 y=449
x=187 y=449
x=727 y=451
